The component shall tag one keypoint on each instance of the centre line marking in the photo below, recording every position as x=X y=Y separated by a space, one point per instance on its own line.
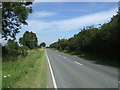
x=78 y=63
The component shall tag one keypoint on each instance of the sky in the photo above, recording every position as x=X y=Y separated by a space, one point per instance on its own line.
x=56 y=20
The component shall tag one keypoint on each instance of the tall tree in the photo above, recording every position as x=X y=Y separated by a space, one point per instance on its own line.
x=29 y=39
x=42 y=44
x=14 y=14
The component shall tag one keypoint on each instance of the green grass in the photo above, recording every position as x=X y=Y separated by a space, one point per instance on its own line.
x=28 y=72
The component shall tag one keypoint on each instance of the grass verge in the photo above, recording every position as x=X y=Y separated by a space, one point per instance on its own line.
x=28 y=72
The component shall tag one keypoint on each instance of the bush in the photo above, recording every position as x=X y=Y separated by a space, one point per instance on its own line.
x=9 y=54
x=23 y=50
x=102 y=42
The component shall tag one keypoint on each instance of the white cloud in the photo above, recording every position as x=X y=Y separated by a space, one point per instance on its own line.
x=71 y=24
x=2 y=41
x=43 y=14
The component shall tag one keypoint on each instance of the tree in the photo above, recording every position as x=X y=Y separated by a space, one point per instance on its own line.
x=11 y=49
x=29 y=39
x=102 y=42
x=42 y=44
x=11 y=44
x=14 y=14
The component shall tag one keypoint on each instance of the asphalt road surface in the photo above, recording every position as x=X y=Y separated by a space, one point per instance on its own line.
x=73 y=72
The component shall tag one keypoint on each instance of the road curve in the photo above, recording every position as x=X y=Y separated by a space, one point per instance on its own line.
x=73 y=72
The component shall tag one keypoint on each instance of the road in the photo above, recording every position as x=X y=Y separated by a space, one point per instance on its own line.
x=73 y=72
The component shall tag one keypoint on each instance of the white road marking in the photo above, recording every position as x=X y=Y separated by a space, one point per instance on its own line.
x=59 y=55
x=78 y=63
x=53 y=78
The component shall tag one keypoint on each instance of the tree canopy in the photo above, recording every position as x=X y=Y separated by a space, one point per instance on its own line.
x=103 y=41
x=42 y=44
x=29 y=39
x=14 y=14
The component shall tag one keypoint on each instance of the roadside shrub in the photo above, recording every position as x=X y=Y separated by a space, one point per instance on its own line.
x=12 y=54
x=23 y=50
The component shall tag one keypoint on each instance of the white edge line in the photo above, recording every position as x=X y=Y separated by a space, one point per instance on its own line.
x=53 y=78
x=78 y=63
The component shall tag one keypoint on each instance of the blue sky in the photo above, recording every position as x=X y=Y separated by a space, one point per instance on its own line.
x=52 y=21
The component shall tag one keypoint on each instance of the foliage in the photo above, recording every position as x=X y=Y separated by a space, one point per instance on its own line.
x=103 y=41
x=12 y=49
x=11 y=44
x=23 y=50
x=14 y=14
x=42 y=44
x=29 y=39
